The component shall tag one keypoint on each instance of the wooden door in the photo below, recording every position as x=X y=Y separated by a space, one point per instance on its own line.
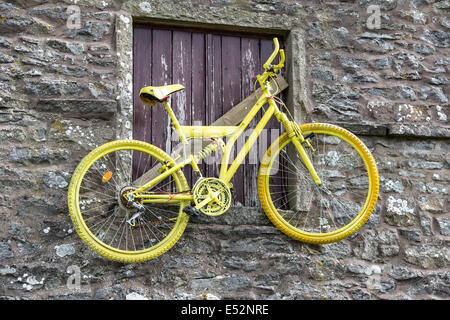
x=217 y=70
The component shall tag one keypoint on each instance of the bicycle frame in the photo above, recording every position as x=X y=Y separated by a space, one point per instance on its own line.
x=227 y=171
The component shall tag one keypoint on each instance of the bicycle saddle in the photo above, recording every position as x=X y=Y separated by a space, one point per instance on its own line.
x=153 y=95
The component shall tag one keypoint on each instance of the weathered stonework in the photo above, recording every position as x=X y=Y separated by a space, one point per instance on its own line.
x=64 y=91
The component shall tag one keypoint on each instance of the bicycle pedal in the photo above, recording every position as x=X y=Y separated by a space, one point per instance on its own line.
x=191 y=211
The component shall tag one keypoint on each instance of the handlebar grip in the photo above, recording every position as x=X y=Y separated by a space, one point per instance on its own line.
x=277 y=45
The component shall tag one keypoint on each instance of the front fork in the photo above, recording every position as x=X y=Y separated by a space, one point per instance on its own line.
x=294 y=132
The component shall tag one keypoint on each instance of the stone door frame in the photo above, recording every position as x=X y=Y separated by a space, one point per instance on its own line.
x=198 y=16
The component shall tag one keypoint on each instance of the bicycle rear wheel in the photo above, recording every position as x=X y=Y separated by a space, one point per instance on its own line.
x=102 y=216
x=326 y=213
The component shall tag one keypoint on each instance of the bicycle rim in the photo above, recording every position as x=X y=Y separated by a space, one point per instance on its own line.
x=101 y=214
x=332 y=211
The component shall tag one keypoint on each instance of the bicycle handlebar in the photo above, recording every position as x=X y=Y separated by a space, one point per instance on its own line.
x=277 y=50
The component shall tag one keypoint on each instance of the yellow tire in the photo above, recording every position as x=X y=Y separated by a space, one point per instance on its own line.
x=101 y=216
x=319 y=214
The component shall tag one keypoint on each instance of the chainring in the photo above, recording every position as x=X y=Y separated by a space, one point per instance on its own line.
x=218 y=191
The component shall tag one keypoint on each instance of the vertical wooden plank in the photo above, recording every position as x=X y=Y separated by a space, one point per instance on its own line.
x=161 y=75
x=231 y=82
x=199 y=87
x=198 y=79
x=209 y=87
x=217 y=90
x=182 y=70
x=249 y=63
x=214 y=104
x=182 y=74
x=142 y=114
x=231 y=72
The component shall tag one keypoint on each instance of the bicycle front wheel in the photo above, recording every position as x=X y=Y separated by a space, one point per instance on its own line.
x=101 y=214
x=329 y=212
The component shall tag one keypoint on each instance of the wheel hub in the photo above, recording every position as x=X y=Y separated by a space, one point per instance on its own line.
x=124 y=199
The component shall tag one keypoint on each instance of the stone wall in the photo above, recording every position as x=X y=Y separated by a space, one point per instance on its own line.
x=63 y=91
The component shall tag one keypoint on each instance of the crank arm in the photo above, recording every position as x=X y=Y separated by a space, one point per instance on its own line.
x=211 y=197
x=203 y=203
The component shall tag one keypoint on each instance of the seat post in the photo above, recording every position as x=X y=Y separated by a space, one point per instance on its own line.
x=175 y=122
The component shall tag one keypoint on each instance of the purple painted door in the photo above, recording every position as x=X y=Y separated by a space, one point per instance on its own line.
x=217 y=71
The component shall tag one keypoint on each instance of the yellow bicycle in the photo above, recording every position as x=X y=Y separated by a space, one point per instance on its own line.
x=130 y=201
